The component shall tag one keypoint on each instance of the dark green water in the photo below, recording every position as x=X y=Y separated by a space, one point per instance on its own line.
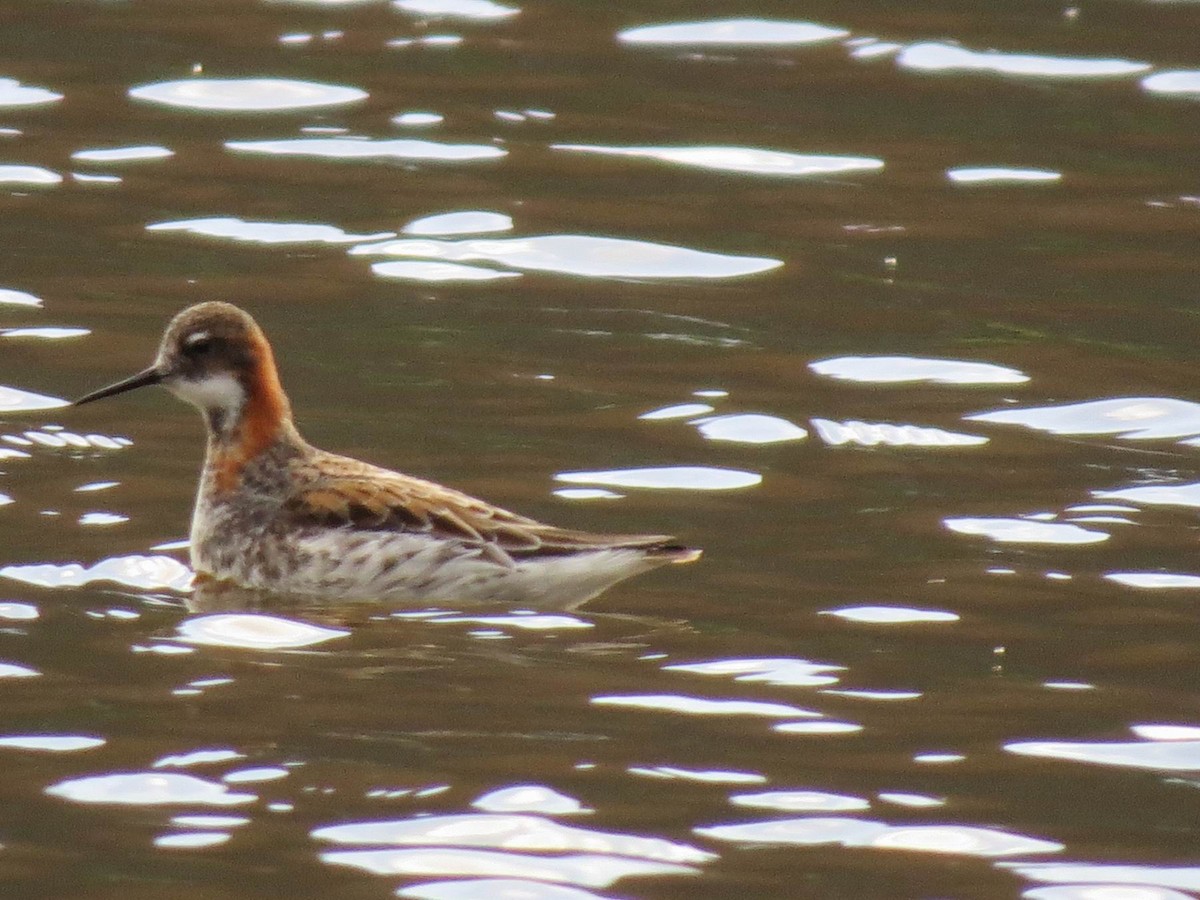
x=925 y=655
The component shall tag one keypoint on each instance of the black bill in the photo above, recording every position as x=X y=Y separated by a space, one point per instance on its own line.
x=141 y=379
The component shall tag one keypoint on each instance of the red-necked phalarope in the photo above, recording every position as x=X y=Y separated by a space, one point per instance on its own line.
x=275 y=513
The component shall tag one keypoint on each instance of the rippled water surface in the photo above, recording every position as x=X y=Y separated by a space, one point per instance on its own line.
x=891 y=308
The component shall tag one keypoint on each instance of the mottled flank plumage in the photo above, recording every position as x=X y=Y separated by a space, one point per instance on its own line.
x=275 y=513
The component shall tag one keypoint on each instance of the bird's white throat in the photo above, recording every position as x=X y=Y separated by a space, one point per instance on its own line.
x=214 y=393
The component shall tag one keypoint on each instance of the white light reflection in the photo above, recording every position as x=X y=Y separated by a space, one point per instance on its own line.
x=723 y=32
x=931 y=56
x=14 y=400
x=254 y=631
x=1168 y=756
x=801 y=801
x=902 y=369
x=746 y=160
x=18 y=298
x=578 y=254
x=1130 y=418
x=954 y=840
x=1185 y=82
x=122 y=154
x=749 y=428
x=1023 y=531
x=267 y=232
x=890 y=615
x=28 y=175
x=145 y=572
x=478 y=10
x=700 y=706
x=147 y=789
x=51 y=743
x=13 y=93
x=694 y=478
x=529 y=798
x=1001 y=175
x=246 y=94
x=1183 y=877
x=779 y=672
x=464 y=222
x=354 y=147
x=872 y=434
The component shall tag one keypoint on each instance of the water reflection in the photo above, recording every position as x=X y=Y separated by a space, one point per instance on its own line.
x=236 y=229
x=13 y=93
x=748 y=160
x=1001 y=175
x=932 y=56
x=359 y=147
x=16 y=400
x=31 y=176
x=1129 y=418
x=578 y=254
x=1182 y=83
x=958 y=840
x=911 y=369
x=723 y=32
x=475 y=10
x=19 y=298
x=148 y=789
x=123 y=154
x=246 y=94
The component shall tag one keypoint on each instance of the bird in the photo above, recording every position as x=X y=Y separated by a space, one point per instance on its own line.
x=274 y=513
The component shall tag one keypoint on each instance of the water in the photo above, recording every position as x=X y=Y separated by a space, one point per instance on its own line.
x=890 y=310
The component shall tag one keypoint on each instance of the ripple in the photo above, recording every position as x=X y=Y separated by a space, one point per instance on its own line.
x=797 y=801
x=932 y=56
x=102 y=518
x=416 y=119
x=704 y=776
x=823 y=727
x=123 y=154
x=747 y=160
x=1166 y=732
x=1024 y=531
x=1156 y=494
x=956 y=840
x=464 y=222
x=732 y=31
x=587 y=869
x=51 y=743
x=49 y=333
x=267 y=232
x=693 y=478
x=1183 y=81
x=749 y=428
x=435 y=272
x=525 y=621
x=900 y=369
x=583 y=255
x=18 y=612
x=356 y=147
x=31 y=175
x=783 y=672
x=1171 y=756
x=1001 y=175
x=195 y=840
x=478 y=10
x=890 y=615
x=197 y=758
x=246 y=94
x=498 y=888
x=18 y=298
x=147 y=789
x=144 y=572
x=13 y=93
x=1183 y=877
x=14 y=400
x=255 y=775
x=254 y=631
x=1130 y=418
x=500 y=831
x=531 y=798
x=13 y=670
x=587 y=494
x=1155 y=581
x=700 y=706
x=872 y=434
x=1103 y=892
x=678 y=411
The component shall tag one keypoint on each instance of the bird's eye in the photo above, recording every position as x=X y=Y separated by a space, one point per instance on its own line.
x=197 y=344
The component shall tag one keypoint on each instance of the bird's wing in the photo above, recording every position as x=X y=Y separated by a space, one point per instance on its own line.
x=343 y=492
